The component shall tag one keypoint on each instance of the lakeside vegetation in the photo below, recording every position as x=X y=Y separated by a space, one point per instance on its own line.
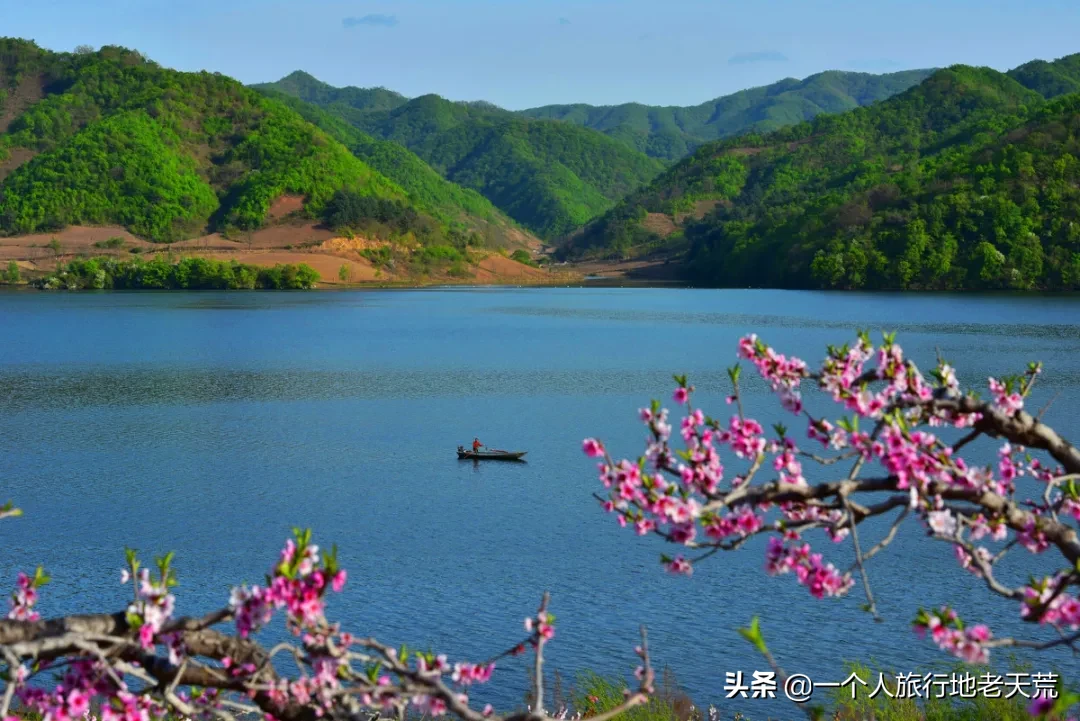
x=163 y=273
x=968 y=180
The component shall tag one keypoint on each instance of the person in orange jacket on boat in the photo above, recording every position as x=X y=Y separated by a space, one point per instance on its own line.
x=476 y=445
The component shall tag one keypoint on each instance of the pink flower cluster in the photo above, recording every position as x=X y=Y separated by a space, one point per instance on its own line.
x=820 y=578
x=995 y=528
x=744 y=436
x=466 y=674
x=542 y=624
x=788 y=465
x=783 y=374
x=317 y=689
x=676 y=504
x=463 y=674
x=1046 y=602
x=1005 y=399
x=70 y=699
x=296 y=584
x=830 y=519
x=744 y=523
x=947 y=631
x=153 y=606
x=1032 y=538
x=23 y=599
x=680 y=566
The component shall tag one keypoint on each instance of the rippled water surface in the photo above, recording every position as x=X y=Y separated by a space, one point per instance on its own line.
x=211 y=424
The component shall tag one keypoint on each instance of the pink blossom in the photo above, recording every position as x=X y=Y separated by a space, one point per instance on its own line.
x=942 y=523
x=592 y=447
x=1032 y=538
x=680 y=565
x=1008 y=402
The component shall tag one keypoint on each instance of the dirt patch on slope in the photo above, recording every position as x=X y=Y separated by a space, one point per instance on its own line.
x=352 y=245
x=742 y=151
x=701 y=209
x=15 y=158
x=277 y=236
x=659 y=223
x=285 y=205
x=525 y=240
x=270 y=246
x=497 y=267
x=648 y=271
x=28 y=92
x=73 y=240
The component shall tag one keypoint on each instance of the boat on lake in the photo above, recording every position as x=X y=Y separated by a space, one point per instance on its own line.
x=489 y=455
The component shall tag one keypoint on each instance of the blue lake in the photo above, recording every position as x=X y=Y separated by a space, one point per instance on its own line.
x=211 y=424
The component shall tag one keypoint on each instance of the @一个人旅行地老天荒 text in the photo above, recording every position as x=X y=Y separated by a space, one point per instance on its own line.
x=799 y=687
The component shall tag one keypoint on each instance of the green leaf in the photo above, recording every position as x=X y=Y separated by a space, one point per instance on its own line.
x=373 y=671
x=734 y=372
x=753 y=635
x=1065 y=701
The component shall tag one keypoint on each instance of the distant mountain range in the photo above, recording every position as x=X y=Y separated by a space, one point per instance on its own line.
x=670 y=133
x=553 y=177
x=664 y=132
x=970 y=179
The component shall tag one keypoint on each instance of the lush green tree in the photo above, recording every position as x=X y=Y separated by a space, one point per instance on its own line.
x=163 y=273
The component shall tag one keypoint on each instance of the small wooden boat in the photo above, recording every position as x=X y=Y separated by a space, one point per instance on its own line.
x=490 y=455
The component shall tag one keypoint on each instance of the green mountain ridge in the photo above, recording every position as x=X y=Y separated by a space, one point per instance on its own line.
x=672 y=132
x=550 y=177
x=423 y=185
x=967 y=180
x=109 y=137
x=306 y=87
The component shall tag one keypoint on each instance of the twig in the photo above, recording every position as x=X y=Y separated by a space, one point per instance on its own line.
x=538 y=681
x=889 y=536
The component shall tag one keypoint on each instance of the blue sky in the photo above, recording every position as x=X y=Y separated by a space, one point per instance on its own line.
x=523 y=53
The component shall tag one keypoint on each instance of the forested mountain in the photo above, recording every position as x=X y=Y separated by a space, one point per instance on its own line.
x=968 y=180
x=670 y=133
x=422 y=184
x=109 y=137
x=312 y=90
x=1050 y=79
x=551 y=177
